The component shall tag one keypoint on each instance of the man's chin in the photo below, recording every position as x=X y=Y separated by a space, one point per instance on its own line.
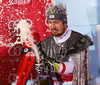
x=56 y=35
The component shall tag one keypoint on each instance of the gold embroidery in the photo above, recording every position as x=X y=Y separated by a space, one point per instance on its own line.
x=52 y=11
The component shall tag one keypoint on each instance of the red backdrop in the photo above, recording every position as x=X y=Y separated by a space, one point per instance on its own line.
x=17 y=10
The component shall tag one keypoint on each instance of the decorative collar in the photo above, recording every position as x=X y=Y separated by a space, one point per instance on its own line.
x=64 y=37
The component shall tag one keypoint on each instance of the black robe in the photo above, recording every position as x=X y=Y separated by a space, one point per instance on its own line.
x=76 y=47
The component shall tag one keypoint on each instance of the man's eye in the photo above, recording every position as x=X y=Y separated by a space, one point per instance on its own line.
x=56 y=22
x=49 y=23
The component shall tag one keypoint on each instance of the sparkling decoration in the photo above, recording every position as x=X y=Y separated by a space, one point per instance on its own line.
x=50 y=8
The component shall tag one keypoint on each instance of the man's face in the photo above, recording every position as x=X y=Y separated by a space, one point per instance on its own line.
x=57 y=27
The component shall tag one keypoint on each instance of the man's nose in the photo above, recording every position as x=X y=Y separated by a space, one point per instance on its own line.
x=53 y=25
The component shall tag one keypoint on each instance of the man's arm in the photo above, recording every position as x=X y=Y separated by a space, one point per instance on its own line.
x=47 y=66
x=66 y=67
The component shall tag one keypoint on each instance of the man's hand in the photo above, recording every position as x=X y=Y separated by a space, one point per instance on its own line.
x=46 y=67
x=43 y=68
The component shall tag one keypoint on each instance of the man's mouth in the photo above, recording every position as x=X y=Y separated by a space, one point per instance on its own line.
x=54 y=30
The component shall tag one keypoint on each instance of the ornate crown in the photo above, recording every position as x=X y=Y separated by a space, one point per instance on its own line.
x=59 y=9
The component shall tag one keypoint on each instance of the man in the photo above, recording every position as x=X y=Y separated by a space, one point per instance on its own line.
x=64 y=54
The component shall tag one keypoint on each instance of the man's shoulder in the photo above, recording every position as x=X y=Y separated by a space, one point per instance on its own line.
x=81 y=37
x=75 y=34
x=78 y=42
x=48 y=39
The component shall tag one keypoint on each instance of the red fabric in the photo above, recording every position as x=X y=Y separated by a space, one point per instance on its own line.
x=54 y=80
x=33 y=10
x=65 y=77
x=64 y=68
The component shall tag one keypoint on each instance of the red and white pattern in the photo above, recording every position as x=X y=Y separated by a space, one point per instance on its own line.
x=64 y=75
x=66 y=67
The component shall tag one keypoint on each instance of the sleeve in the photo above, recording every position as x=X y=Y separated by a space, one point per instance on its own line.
x=66 y=67
x=81 y=68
